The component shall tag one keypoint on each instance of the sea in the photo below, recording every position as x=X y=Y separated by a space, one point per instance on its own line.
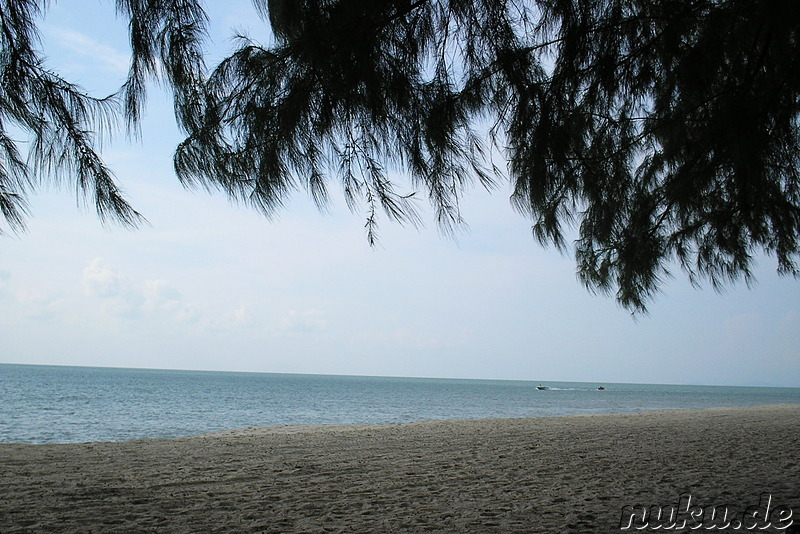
x=59 y=404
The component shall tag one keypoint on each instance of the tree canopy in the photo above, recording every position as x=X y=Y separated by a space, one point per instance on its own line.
x=660 y=133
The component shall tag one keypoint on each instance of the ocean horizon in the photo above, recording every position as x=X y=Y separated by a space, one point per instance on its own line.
x=69 y=404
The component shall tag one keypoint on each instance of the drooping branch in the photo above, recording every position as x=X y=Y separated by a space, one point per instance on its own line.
x=654 y=134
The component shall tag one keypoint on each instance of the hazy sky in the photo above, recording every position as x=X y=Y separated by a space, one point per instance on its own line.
x=210 y=285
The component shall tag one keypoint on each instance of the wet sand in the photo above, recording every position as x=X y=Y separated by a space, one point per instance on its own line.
x=565 y=474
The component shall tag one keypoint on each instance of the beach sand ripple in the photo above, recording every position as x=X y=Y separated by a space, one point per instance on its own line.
x=565 y=474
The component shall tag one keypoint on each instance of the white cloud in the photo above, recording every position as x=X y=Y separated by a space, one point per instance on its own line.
x=26 y=301
x=160 y=295
x=108 y=58
x=242 y=315
x=39 y=304
x=118 y=294
x=124 y=297
x=236 y=322
x=305 y=321
x=103 y=281
x=163 y=298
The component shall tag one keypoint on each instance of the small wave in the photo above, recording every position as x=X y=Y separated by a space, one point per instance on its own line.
x=569 y=389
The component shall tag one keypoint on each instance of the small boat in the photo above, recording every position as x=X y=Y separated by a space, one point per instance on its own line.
x=601 y=388
x=542 y=388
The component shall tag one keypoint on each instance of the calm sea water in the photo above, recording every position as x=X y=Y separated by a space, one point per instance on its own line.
x=49 y=404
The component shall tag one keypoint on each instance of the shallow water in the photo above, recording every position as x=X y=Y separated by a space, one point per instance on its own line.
x=54 y=404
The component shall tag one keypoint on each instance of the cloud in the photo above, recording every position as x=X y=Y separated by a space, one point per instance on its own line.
x=163 y=298
x=109 y=58
x=103 y=281
x=242 y=315
x=159 y=294
x=124 y=297
x=306 y=321
x=31 y=302
x=157 y=299
x=39 y=304
x=233 y=321
x=118 y=294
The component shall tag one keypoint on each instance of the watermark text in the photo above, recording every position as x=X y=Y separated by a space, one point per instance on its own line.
x=687 y=514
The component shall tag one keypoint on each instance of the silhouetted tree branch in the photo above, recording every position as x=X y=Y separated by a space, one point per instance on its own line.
x=62 y=122
x=664 y=133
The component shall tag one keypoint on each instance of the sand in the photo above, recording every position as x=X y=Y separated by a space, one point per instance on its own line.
x=565 y=474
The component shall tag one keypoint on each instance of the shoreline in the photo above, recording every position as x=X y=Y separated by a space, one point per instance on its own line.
x=284 y=429
x=322 y=427
x=548 y=474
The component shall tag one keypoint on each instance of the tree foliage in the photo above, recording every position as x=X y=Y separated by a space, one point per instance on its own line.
x=661 y=133
x=62 y=122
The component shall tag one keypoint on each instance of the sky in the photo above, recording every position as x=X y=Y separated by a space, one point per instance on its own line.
x=208 y=284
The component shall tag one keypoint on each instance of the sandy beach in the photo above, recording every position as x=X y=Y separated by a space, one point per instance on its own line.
x=566 y=474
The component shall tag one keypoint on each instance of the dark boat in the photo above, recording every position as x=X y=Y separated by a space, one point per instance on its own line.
x=542 y=388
